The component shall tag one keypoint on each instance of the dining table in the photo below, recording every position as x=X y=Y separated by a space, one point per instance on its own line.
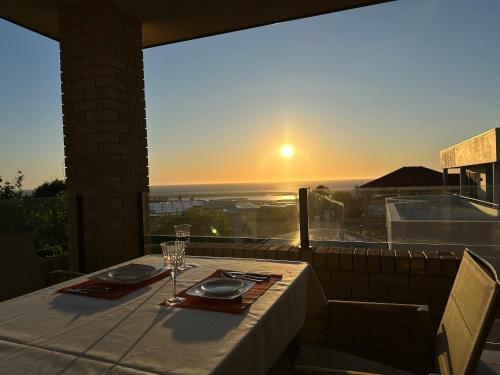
x=48 y=332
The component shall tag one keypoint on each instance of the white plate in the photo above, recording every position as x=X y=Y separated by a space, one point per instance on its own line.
x=221 y=286
x=128 y=274
x=201 y=290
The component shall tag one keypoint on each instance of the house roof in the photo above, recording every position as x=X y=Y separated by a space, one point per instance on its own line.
x=409 y=177
x=169 y=21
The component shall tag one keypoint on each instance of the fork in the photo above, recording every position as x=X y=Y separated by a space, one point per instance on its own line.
x=244 y=276
x=90 y=289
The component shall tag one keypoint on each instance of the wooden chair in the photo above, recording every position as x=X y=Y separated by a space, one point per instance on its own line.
x=457 y=348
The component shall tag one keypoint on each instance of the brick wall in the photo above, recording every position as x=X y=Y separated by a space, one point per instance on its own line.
x=373 y=275
x=104 y=128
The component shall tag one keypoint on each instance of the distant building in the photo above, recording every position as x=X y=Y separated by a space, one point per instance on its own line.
x=468 y=218
x=173 y=206
x=411 y=177
x=443 y=218
x=478 y=161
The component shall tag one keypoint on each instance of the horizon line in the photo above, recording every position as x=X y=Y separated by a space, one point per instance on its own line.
x=263 y=181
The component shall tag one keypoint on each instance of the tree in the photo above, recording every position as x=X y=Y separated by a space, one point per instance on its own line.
x=204 y=221
x=45 y=219
x=12 y=189
x=49 y=189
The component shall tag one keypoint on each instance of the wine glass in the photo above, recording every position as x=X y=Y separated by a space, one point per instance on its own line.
x=173 y=254
x=183 y=233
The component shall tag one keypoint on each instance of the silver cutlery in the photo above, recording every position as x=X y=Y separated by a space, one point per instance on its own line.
x=90 y=289
x=77 y=290
x=257 y=275
x=245 y=276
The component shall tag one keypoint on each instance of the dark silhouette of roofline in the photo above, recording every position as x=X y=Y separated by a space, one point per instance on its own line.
x=412 y=176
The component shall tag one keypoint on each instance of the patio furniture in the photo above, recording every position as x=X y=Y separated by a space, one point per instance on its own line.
x=460 y=339
x=19 y=272
x=48 y=333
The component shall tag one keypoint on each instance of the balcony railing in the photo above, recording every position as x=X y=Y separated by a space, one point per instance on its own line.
x=434 y=218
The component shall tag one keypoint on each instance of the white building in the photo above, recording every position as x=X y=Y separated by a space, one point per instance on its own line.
x=174 y=207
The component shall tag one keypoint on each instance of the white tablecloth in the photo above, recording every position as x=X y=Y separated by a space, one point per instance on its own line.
x=49 y=333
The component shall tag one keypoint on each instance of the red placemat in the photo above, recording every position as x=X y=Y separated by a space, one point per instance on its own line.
x=234 y=306
x=99 y=289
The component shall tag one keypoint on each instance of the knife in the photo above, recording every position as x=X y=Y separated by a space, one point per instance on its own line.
x=256 y=275
x=245 y=277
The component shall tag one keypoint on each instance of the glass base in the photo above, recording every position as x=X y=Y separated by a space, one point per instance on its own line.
x=174 y=301
x=184 y=267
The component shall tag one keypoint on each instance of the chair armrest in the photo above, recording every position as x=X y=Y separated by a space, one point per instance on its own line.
x=396 y=334
x=309 y=370
x=59 y=276
x=379 y=305
x=385 y=320
x=386 y=315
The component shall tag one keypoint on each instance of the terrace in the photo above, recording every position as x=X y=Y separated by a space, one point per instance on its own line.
x=344 y=235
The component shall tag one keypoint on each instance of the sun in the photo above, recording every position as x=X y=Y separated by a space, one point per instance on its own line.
x=287 y=151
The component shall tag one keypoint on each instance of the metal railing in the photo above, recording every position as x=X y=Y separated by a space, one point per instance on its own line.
x=304 y=218
x=399 y=219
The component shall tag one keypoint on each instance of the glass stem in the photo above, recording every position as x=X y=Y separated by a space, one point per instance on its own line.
x=174 y=285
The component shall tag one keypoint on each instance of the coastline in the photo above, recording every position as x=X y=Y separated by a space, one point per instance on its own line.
x=249 y=189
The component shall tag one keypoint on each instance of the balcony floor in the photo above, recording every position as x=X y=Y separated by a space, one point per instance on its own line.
x=492 y=358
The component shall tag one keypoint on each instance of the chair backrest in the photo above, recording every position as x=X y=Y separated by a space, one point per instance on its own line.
x=468 y=316
x=19 y=270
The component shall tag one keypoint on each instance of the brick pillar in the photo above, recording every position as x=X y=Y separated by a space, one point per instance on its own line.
x=104 y=130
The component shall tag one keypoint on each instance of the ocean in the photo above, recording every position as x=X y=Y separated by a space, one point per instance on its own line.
x=261 y=190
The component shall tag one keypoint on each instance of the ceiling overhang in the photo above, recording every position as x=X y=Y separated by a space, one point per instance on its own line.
x=169 y=21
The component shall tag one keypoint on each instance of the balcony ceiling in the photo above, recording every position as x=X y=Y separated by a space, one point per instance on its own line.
x=169 y=21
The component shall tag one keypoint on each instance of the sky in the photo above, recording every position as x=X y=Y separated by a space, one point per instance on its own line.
x=357 y=94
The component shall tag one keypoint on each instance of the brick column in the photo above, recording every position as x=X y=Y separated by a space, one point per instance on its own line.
x=104 y=130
